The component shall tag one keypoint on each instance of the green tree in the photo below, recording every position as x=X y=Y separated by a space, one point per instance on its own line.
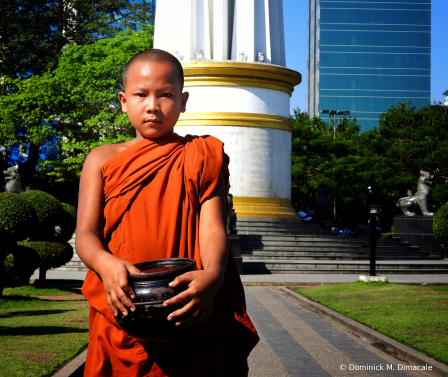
x=34 y=32
x=73 y=108
x=411 y=140
x=328 y=153
x=389 y=157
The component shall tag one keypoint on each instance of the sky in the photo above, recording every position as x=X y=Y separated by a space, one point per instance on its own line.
x=295 y=20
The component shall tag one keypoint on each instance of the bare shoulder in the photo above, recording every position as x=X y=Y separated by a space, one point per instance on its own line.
x=98 y=156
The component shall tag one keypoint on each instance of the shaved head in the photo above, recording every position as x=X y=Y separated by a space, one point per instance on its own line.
x=158 y=56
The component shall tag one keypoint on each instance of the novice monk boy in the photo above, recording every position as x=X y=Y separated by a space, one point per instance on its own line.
x=160 y=196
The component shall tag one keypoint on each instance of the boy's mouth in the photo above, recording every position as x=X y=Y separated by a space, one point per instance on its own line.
x=153 y=120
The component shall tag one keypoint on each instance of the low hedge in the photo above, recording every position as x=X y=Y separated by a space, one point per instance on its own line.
x=440 y=224
x=67 y=223
x=19 y=265
x=51 y=254
x=48 y=210
x=17 y=217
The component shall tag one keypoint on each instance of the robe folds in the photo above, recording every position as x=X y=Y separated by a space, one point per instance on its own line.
x=153 y=191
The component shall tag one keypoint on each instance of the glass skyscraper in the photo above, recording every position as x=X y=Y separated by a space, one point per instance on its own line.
x=367 y=55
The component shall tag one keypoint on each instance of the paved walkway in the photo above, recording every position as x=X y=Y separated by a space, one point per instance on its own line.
x=295 y=341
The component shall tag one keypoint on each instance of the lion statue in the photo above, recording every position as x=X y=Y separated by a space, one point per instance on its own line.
x=12 y=177
x=420 y=199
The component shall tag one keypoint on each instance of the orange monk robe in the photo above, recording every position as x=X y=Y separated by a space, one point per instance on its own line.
x=153 y=194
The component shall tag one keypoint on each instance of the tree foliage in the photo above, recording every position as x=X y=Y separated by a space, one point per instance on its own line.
x=440 y=224
x=389 y=157
x=328 y=153
x=65 y=113
x=35 y=32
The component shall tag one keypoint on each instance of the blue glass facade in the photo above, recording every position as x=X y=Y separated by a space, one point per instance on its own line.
x=367 y=55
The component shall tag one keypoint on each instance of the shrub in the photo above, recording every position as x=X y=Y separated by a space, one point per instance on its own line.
x=48 y=210
x=51 y=255
x=440 y=224
x=17 y=218
x=67 y=223
x=19 y=266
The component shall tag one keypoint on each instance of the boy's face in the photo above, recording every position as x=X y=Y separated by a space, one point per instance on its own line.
x=153 y=98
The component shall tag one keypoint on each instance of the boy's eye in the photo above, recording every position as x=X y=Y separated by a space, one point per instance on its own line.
x=140 y=95
x=166 y=95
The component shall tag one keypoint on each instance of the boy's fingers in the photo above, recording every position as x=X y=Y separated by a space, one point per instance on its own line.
x=182 y=312
x=129 y=292
x=112 y=306
x=124 y=300
x=116 y=305
x=132 y=269
x=182 y=279
x=178 y=299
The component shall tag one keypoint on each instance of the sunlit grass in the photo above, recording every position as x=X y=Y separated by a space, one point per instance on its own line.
x=38 y=335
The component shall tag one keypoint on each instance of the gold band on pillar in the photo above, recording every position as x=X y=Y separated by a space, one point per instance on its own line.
x=242 y=74
x=263 y=207
x=235 y=119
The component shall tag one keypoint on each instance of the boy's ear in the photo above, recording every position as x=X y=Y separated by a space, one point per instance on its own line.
x=184 y=99
x=122 y=98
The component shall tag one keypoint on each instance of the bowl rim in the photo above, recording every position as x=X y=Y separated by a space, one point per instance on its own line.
x=183 y=265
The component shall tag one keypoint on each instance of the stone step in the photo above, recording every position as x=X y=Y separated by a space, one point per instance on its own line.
x=274 y=224
x=72 y=268
x=336 y=256
x=273 y=233
x=305 y=238
x=332 y=251
x=364 y=271
x=323 y=238
x=343 y=267
x=318 y=243
x=268 y=220
x=311 y=250
x=345 y=257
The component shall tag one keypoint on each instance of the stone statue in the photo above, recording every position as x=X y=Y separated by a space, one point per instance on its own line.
x=231 y=216
x=322 y=202
x=420 y=199
x=12 y=177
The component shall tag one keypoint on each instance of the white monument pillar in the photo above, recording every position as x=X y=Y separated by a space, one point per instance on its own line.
x=233 y=55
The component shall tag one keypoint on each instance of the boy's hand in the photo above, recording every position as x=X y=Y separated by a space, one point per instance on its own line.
x=114 y=275
x=202 y=285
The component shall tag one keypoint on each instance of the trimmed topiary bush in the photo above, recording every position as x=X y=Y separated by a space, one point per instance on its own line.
x=51 y=255
x=48 y=210
x=17 y=218
x=67 y=223
x=440 y=224
x=19 y=266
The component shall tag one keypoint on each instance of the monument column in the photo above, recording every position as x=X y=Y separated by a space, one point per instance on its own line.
x=233 y=56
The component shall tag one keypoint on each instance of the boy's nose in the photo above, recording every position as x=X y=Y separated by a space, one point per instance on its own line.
x=152 y=105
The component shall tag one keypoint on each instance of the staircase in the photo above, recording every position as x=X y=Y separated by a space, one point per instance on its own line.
x=75 y=264
x=289 y=246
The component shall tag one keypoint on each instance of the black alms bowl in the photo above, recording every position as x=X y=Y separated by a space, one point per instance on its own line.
x=149 y=321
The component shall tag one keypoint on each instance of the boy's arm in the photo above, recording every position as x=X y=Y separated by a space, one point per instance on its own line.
x=203 y=284
x=112 y=270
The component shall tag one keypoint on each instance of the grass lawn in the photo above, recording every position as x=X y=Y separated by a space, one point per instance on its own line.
x=40 y=329
x=413 y=315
